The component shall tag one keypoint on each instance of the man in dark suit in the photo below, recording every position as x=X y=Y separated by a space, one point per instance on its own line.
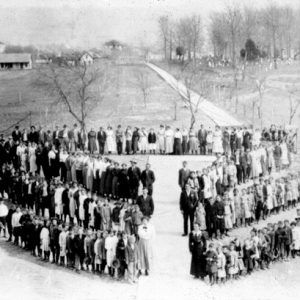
x=55 y=138
x=188 y=203
x=184 y=174
x=33 y=136
x=202 y=133
x=16 y=134
x=148 y=178
x=134 y=175
x=101 y=137
x=145 y=203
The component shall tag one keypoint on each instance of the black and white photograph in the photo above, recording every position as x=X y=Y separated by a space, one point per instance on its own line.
x=149 y=149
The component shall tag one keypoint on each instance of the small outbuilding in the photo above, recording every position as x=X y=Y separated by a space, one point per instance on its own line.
x=15 y=61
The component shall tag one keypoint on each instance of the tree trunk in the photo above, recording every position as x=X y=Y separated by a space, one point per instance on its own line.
x=165 y=48
x=171 y=46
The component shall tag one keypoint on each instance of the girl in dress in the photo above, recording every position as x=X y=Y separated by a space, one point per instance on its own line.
x=212 y=264
x=45 y=241
x=221 y=265
x=200 y=216
x=233 y=268
x=245 y=209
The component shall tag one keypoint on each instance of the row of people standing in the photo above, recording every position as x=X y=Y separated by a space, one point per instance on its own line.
x=165 y=140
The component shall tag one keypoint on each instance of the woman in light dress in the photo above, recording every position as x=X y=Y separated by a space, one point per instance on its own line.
x=32 y=158
x=45 y=240
x=72 y=204
x=193 y=142
x=82 y=197
x=169 y=134
x=146 y=233
x=110 y=246
x=110 y=141
x=200 y=216
x=161 y=139
x=22 y=154
x=143 y=140
x=256 y=138
x=227 y=213
x=217 y=141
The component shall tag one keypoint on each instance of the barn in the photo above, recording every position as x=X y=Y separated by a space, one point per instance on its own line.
x=15 y=61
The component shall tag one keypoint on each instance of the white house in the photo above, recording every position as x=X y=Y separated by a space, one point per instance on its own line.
x=87 y=59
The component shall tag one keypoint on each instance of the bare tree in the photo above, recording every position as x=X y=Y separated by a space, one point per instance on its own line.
x=189 y=35
x=79 y=88
x=272 y=19
x=294 y=101
x=163 y=22
x=218 y=35
x=260 y=88
x=143 y=83
x=192 y=76
x=233 y=20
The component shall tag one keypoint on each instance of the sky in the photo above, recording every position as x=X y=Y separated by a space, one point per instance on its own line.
x=89 y=23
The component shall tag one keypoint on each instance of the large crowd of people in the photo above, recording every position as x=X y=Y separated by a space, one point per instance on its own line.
x=73 y=206
x=227 y=261
x=114 y=243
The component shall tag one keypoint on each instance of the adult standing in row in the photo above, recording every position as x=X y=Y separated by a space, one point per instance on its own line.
x=188 y=203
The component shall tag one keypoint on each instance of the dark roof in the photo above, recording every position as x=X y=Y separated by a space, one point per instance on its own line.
x=15 y=57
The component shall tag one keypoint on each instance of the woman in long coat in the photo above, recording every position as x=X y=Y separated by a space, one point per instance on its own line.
x=92 y=145
x=197 y=245
x=123 y=181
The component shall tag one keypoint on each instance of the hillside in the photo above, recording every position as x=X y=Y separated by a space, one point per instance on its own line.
x=123 y=100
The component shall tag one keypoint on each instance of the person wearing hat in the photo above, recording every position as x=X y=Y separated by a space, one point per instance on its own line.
x=134 y=177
